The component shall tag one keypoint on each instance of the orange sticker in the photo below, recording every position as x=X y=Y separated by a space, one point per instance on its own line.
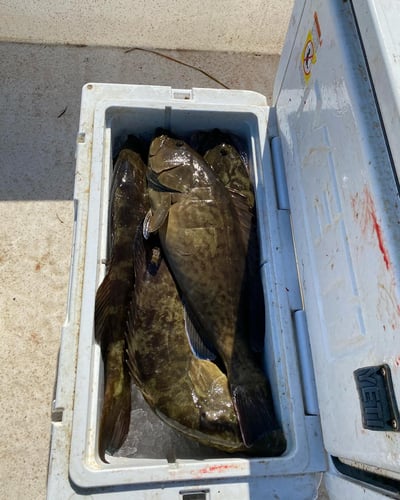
x=317 y=28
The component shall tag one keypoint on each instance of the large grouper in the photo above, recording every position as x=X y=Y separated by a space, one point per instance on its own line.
x=128 y=203
x=203 y=243
x=229 y=166
x=189 y=394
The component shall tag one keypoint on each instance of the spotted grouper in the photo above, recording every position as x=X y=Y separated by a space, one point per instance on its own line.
x=189 y=394
x=128 y=205
x=203 y=243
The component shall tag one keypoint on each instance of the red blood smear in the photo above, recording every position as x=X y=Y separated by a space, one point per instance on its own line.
x=378 y=231
x=215 y=468
x=376 y=226
x=366 y=209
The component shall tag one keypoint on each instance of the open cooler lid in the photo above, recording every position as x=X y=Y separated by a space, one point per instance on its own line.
x=344 y=201
x=378 y=23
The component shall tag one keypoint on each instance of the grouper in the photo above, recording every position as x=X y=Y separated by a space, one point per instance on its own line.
x=128 y=205
x=228 y=165
x=203 y=243
x=189 y=394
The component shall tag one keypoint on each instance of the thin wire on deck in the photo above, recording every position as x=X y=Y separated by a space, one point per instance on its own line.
x=170 y=58
x=62 y=112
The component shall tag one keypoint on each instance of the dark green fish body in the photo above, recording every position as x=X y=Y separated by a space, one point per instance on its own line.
x=230 y=168
x=228 y=165
x=205 y=140
x=187 y=393
x=204 y=247
x=128 y=205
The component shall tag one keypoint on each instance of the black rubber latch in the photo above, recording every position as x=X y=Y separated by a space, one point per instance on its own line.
x=377 y=399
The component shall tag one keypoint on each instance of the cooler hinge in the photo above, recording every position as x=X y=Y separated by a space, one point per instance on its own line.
x=306 y=364
x=279 y=174
x=286 y=249
x=291 y=277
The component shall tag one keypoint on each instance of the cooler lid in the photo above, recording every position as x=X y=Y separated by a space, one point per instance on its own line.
x=344 y=202
x=378 y=23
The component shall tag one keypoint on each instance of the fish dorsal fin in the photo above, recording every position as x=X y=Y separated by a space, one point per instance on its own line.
x=196 y=343
x=101 y=314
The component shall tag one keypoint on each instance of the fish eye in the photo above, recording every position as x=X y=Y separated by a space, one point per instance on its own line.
x=179 y=144
x=223 y=152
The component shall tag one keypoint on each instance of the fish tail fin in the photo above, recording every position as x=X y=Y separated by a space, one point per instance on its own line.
x=256 y=416
x=116 y=411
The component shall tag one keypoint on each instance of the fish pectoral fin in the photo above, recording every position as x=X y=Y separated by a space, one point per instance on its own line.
x=157 y=215
x=256 y=416
x=146 y=224
x=196 y=343
x=154 y=220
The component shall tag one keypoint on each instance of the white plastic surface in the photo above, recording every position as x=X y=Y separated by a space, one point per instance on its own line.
x=108 y=113
x=378 y=22
x=346 y=222
x=340 y=488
